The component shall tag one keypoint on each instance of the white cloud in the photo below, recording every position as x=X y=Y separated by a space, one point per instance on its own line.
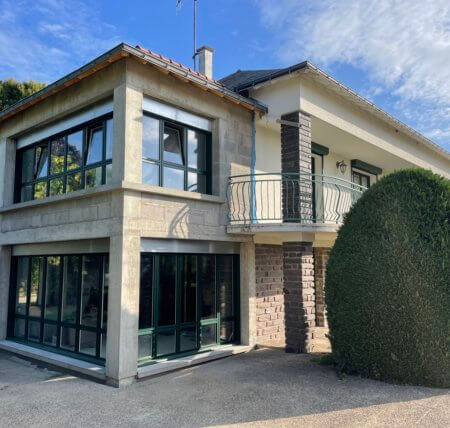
x=403 y=46
x=46 y=39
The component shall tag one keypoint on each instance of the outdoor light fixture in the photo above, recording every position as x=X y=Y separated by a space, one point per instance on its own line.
x=342 y=166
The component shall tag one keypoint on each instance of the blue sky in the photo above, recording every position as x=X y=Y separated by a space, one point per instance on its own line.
x=394 y=52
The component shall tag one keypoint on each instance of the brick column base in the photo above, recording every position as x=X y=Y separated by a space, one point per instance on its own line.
x=299 y=298
x=320 y=264
x=269 y=295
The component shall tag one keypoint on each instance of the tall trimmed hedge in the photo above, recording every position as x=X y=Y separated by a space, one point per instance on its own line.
x=388 y=282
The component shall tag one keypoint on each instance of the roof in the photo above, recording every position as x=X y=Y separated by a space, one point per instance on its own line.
x=165 y=65
x=242 y=80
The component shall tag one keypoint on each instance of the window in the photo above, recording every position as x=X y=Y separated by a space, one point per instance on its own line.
x=361 y=179
x=74 y=160
x=175 y=156
x=187 y=302
x=60 y=302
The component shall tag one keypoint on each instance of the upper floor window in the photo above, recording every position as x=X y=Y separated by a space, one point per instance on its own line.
x=74 y=160
x=175 y=156
x=361 y=179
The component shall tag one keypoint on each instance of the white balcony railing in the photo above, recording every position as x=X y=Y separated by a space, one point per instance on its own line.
x=290 y=198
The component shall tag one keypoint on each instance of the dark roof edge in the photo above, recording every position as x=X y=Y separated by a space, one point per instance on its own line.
x=275 y=75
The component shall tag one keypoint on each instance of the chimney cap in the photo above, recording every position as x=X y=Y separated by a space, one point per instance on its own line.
x=205 y=48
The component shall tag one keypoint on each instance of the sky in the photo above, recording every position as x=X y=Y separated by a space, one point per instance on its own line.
x=396 y=53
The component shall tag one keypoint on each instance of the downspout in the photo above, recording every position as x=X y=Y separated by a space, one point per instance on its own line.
x=252 y=171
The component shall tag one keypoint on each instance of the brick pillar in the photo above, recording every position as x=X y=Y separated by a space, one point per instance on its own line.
x=299 y=299
x=296 y=159
x=320 y=264
x=269 y=295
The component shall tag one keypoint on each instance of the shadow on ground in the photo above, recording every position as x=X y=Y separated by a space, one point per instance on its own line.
x=263 y=387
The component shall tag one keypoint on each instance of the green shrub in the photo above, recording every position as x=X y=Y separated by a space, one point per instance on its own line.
x=388 y=282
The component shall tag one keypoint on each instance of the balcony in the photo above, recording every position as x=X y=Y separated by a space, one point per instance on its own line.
x=295 y=201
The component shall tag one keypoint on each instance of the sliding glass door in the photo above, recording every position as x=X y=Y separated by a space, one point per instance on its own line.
x=60 y=302
x=188 y=302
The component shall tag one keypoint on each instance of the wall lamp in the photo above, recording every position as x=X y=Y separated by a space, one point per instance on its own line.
x=342 y=166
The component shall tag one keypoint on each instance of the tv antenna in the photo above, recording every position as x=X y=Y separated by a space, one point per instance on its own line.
x=194 y=55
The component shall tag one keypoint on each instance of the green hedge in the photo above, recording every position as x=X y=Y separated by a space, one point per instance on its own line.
x=388 y=282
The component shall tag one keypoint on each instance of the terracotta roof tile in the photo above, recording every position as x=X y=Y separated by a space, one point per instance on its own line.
x=178 y=64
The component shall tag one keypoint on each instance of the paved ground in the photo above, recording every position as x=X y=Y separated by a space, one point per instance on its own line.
x=264 y=387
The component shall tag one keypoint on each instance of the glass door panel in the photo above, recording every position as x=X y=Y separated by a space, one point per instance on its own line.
x=167 y=290
x=189 y=289
x=225 y=280
x=207 y=282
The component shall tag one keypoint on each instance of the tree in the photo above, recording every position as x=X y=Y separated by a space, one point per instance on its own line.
x=388 y=290
x=12 y=91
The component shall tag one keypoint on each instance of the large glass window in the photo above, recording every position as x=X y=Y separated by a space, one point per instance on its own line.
x=194 y=300
x=77 y=159
x=175 y=156
x=60 y=302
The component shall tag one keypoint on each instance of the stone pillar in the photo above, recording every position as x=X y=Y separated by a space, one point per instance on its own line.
x=248 y=293
x=269 y=295
x=296 y=159
x=123 y=309
x=5 y=267
x=321 y=255
x=299 y=299
x=7 y=171
x=127 y=140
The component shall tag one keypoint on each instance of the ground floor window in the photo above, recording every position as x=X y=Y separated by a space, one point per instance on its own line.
x=60 y=302
x=188 y=302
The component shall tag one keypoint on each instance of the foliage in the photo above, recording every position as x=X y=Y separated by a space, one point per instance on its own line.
x=12 y=91
x=388 y=287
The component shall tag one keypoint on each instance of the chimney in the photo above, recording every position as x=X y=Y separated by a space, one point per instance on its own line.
x=205 y=61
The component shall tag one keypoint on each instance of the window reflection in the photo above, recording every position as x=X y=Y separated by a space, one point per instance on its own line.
x=94 y=146
x=173 y=149
x=52 y=288
x=37 y=275
x=90 y=295
x=58 y=151
x=22 y=285
x=74 y=150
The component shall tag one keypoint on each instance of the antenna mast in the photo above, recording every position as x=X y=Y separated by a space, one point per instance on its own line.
x=194 y=56
x=195 y=35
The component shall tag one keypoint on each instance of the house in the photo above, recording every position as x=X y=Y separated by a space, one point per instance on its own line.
x=153 y=217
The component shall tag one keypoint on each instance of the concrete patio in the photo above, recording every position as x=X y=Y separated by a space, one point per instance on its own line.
x=263 y=387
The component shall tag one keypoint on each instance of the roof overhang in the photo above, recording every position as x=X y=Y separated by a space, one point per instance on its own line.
x=347 y=93
x=161 y=63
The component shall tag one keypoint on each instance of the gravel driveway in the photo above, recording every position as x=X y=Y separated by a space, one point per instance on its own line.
x=266 y=387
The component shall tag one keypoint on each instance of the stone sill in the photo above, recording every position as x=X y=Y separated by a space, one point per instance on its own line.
x=174 y=193
x=105 y=188
x=163 y=367
x=79 y=366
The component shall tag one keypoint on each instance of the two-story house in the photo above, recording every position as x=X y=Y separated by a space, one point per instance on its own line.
x=153 y=217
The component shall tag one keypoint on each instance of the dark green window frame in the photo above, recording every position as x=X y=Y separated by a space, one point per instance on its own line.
x=77 y=327
x=27 y=190
x=358 y=178
x=217 y=323
x=161 y=163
